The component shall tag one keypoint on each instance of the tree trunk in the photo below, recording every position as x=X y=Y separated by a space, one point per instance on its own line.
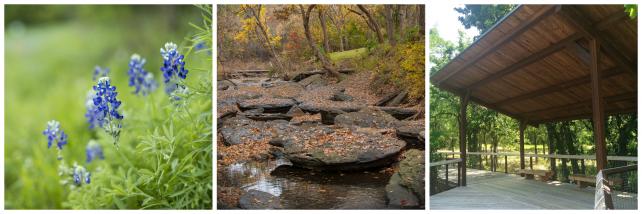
x=390 y=25
x=421 y=19
x=324 y=30
x=550 y=128
x=306 y=26
x=263 y=30
x=535 y=142
x=373 y=22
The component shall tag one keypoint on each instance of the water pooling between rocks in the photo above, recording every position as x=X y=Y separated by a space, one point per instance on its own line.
x=297 y=135
x=305 y=189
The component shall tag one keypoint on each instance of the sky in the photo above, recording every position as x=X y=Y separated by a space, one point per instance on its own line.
x=444 y=18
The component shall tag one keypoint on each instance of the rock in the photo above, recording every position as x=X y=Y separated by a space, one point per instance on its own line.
x=278 y=142
x=239 y=130
x=328 y=115
x=341 y=96
x=399 y=112
x=326 y=105
x=270 y=105
x=367 y=117
x=288 y=90
x=333 y=148
x=398 y=99
x=267 y=116
x=399 y=197
x=412 y=172
x=411 y=132
x=224 y=85
x=255 y=199
x=406 y=188
x=295 y=111
x=314 y=79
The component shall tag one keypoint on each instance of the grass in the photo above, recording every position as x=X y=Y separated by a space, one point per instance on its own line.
x=48 y=73
x=350 y=54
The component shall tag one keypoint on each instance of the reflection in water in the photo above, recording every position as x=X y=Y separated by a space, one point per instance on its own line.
x=305 y=189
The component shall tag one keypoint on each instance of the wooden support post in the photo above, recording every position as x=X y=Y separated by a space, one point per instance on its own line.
x=598 y=106
x=522 y=126
x=463 y=104
x=531 y=162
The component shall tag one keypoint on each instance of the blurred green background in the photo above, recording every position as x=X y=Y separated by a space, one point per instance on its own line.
x=50 y=54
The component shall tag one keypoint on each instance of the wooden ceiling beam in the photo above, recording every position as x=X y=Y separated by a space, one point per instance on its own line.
x=610 y=20
x=523 y=27
x=582 y=104
x=582 y=24
x=478 y=101
x=551 y=49
x=558 y=87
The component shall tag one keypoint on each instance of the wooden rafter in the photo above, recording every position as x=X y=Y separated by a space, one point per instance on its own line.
x=582 y=104
x=551 y=49
x=558 y=87
x=523 y=27
x=581 y=24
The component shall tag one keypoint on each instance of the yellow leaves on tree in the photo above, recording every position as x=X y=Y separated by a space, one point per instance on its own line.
x=249 y=24
x=412 y=63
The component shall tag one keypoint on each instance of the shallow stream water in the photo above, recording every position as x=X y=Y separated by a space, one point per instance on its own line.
x=306 y=189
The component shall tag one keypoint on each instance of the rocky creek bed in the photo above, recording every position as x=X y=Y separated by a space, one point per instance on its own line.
x=310 y=143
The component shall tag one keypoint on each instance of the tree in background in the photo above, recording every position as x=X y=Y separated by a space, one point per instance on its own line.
x=482 y=17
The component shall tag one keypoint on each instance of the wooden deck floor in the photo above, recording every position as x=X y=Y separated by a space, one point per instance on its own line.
x=495 y=190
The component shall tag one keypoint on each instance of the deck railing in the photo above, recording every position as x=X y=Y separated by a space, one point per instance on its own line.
x=495 y=160
x=607 y=179
x=441 y=175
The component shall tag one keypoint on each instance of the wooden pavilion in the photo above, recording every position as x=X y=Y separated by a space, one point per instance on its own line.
x=548 y=63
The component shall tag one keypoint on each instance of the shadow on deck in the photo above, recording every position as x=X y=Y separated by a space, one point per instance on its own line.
x=495 y=190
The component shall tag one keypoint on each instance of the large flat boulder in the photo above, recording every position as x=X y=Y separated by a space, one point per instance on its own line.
x=412 y=132
x=239 y=130
x=289 y=90
x=367 y=118
x=268 y=104
x=406 y=188
x=334 y=148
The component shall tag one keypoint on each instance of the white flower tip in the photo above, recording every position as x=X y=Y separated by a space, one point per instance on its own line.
x=103 y=79
x=135 y=57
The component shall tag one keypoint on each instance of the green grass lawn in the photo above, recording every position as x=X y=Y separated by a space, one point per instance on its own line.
x=48 y=73
x=350 y=54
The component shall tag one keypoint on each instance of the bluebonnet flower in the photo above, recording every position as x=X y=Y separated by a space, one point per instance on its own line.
x=100 y=72
x=200 y=46
x=94 y=150
x=142 y=80
x=55 y=134
x=92 y=118
x=105 y=109
x=173 y=67
x=80 y=174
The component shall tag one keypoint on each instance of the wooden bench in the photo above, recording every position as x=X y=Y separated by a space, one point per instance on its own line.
x=584 y=180
x=544 y=175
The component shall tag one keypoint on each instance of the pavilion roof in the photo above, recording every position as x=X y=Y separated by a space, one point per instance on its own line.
x=534 y=64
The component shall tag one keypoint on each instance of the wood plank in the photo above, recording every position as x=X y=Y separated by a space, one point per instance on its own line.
x=523 y=27
x=558 y=87
x=499 y=191
x=535 y=57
